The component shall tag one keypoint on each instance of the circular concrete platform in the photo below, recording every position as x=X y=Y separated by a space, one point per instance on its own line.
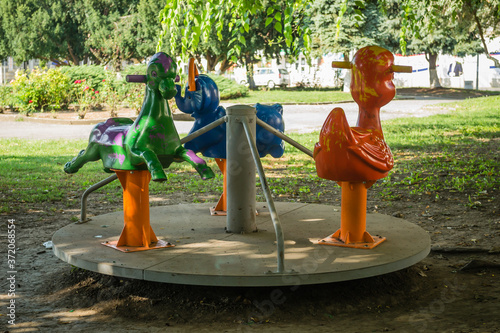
x=204 y=254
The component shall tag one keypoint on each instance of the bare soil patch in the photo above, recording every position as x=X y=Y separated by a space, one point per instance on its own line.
x=455 y=289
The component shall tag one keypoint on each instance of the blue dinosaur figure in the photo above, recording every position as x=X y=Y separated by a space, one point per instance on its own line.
x=202 y=103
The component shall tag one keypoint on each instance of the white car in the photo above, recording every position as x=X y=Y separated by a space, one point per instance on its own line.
x=270 y=77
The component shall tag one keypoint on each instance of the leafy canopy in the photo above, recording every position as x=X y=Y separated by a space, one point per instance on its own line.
x=193 y=20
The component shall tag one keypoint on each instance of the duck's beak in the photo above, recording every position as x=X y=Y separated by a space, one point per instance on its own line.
x=192 y=74
x=401 y=69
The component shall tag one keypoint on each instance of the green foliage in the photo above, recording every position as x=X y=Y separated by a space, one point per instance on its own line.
x=194 y=23
x=131 y=93
x=94 y=74
x=148 y=27
x=106 y=31
x=4 y=43
x=86 y=97
x=6 y=97
x=228 y=88
x=48 y=30
x=137 y=69
x=41 y=89
x=109 y=92
x=111 y=28
x=134 y=96
x=338 y=27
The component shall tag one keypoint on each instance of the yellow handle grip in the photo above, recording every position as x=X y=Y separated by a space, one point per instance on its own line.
x=341 y=64
x=401 y=69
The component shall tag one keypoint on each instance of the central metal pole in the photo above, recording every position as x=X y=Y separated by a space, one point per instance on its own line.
x=240 y=171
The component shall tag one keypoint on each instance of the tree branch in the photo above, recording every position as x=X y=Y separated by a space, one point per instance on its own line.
x=481 y=34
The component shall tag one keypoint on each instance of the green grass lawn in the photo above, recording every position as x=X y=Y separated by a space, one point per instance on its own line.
x=457 y=152
x=292 y=96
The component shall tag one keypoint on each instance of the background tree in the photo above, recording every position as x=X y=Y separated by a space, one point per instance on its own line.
x=362 y=24
x=485 y=19
x=47 y=30
x=226 y=44
x=438 y=32
x=67 y=32
x=148 y=26
x=4 y=45
x=110 y=30
x=183 y=17
x=216 y=51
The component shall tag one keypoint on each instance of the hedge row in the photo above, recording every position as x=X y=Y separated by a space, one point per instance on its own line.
x=87 y=86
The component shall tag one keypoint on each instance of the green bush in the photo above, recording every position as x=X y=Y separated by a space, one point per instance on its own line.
x=131 y=93
x=6 y=97
x=229 y=89
x=139 y=69
x=91 y=73
x=41 y=89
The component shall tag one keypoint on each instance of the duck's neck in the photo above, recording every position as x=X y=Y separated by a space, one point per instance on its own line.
x=369 y=118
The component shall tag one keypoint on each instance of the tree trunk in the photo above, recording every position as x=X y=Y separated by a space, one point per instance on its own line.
x=225 y=65
x=212 y=61
x=74 y=58
x=249 y=68
x=199 y=64
x=433 y=77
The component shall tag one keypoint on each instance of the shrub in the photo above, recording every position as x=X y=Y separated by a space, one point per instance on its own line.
x=132 y=93
x=229 y=89
x=6 y=97
x=91 y=73
x=139 y=69
x=86 y=97
x=40 y=89
x=109 y=93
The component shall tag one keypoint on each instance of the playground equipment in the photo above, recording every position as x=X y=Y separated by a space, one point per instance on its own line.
x=139 y=150
x=245 y=252
x=201 y=101
x=356 y=157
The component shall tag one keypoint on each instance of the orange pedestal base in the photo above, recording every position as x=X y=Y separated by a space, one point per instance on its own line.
x=352 y=232
x=137 y=234
x=221 y=207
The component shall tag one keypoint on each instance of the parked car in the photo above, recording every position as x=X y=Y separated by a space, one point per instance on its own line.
x=270 y=77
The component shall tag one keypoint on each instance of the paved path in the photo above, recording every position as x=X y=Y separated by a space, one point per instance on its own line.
x=298 y=118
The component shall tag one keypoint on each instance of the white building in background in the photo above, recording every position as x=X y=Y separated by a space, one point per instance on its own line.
x=476 y=71
x=454 y=72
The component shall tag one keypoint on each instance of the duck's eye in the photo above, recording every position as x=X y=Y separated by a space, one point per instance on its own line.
x=153 y=74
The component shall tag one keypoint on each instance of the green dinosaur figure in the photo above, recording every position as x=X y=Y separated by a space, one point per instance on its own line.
x=151 y=142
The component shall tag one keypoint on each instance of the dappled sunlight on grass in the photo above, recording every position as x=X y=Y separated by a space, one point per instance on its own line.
x=451 y=152
x=292 y=96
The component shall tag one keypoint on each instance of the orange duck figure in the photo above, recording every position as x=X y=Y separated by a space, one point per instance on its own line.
x=355 y=157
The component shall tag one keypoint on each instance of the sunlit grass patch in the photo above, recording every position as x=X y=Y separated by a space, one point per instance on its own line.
x=456 y=152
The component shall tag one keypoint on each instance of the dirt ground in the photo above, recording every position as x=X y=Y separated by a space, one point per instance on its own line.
x=455 y=289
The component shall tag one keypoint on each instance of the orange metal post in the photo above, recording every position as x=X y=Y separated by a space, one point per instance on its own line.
x=352 y=232
x=137 y=234
x=221 y=207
